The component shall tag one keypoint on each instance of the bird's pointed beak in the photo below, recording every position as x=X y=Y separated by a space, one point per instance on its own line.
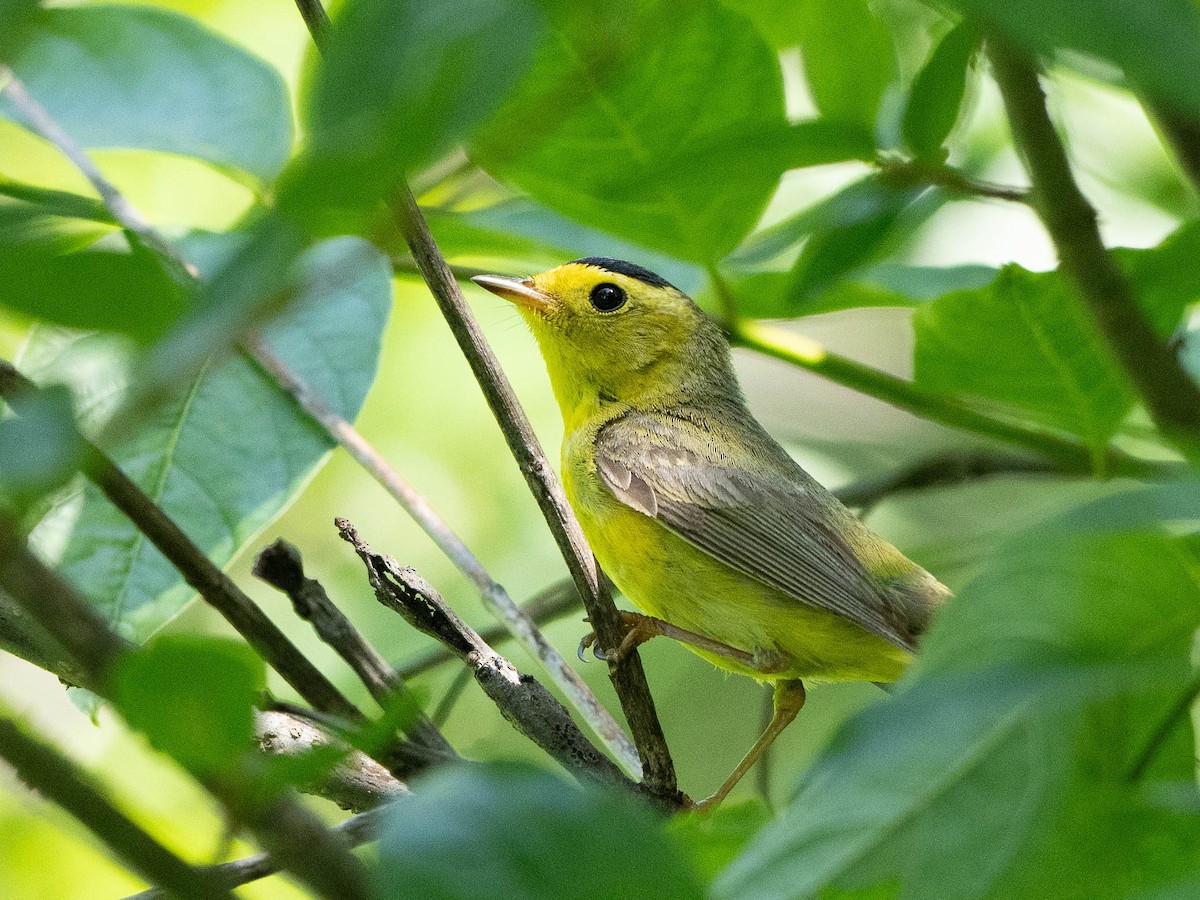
x=520 y=291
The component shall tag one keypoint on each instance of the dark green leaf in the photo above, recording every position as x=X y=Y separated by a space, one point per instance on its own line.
x=848 y=59
x=40 y=449
x=225 y=455
x=46 y=273
x=850 y=243
x=401 y=82
x=1023 y=340
x=15 y=16
x=620 y=99
x=712 y=841
x=193 y=697
x=144 y=78
x=511 y=831
x=865 y=205
x=937 y=93
x=1157 y=44
x=1166 y=277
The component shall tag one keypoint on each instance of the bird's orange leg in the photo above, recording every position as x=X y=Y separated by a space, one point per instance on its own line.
x=640 y=628
x=789 y=700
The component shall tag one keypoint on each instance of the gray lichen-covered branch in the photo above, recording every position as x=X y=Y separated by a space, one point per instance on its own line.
x=521 y=699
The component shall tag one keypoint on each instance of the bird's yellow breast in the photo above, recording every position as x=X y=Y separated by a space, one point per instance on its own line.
x=665 y=576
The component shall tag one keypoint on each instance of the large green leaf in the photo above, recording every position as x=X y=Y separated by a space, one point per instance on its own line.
x=848 y=59
x=620 y=98
x=1026 y=341
x=1157 y=44
x=509 y=831
x=229 y=452
x=1001 y=770
x=144 y=78
x=401 y=81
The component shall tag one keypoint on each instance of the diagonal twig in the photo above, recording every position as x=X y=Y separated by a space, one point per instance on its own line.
x=1171 y=396
x=627 y=674
x=492 y=592
x=280 y=566
x=521 y=699
x=559 y=600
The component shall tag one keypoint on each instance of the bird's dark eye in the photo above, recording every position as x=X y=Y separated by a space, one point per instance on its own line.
x=607 y=297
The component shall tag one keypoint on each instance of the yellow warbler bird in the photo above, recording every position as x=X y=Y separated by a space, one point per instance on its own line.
x=699 y=517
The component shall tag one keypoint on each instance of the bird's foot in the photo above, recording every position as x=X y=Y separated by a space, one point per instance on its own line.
x=638 y=630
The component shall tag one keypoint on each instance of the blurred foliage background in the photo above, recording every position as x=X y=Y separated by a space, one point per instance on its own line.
x=856 y=240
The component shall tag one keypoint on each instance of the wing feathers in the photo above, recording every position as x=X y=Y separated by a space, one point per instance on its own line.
x=760 y=517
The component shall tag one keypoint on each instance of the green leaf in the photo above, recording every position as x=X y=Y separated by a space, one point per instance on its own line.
x=40 y=449
x=193 y=697
x=848 y=59
x=937 y=93
x=1025 y=341
x=1001 y=770
x=143 y=78
x=229 y=452
x=970 y=788
x=713 y=840
x=617 y=103
x=1158 y=47
x=47 y=272
x=514 y=831
x=401 y=82
x=777 y=20
x=1166 y=277
x=853 y=240
x=15 y=16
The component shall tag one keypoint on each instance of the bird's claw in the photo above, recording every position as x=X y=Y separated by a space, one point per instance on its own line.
x=586 y=642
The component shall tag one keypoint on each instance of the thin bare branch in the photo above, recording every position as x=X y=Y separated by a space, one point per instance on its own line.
x=280 y=566
x=628 y=676
x=524 y=702
x=123 y=211
x=355 y=783
x=559 y=600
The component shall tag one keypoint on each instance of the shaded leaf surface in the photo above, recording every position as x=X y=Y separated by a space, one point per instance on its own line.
x=400 y=82
x=514 y=831
x=230 y=453
x=1000 y=771
x=143 y=78
x=617 y=96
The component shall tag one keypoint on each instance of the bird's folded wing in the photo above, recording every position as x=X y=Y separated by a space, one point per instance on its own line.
x=759 y=519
